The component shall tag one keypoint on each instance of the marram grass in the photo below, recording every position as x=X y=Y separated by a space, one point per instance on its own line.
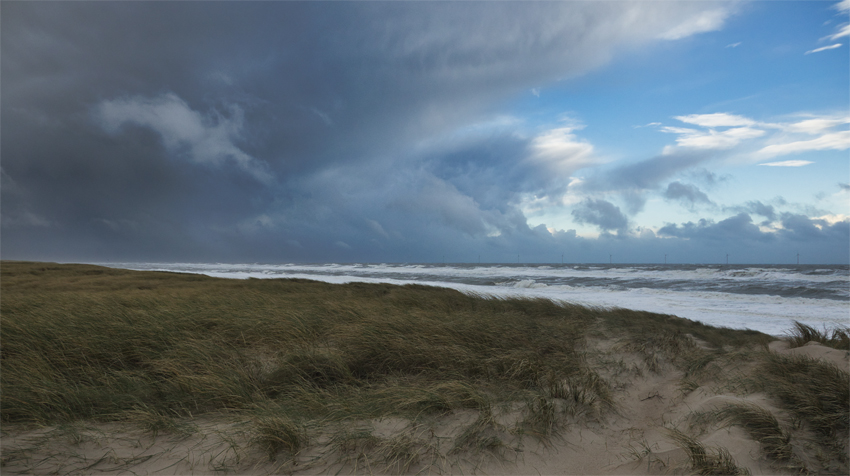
x=299 y=359
x=85 y=342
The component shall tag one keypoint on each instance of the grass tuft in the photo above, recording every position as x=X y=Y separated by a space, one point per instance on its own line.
x=156 y=421
x=813 y=390
x=706 y=461
x=762 y=426
x=837 y=338
x=275 y=433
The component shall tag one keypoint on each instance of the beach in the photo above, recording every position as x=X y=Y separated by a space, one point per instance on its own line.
x=115 y=371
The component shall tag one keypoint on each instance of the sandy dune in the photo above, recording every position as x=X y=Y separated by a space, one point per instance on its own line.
x=631 y=439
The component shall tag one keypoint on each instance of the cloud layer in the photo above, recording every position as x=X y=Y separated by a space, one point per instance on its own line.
x=319 y=131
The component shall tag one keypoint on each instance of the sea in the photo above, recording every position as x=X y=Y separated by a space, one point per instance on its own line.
x=767 y=298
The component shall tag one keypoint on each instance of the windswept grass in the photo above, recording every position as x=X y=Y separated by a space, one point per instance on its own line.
x=762 y=426
x=83 y=342
x=817 y=394
x=814 y=390
x=688 y=345
x=276 y=433
x=706 y=461
x=837 y=338
x=298 y=358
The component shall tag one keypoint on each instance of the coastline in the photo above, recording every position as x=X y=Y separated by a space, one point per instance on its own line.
x=716 y=295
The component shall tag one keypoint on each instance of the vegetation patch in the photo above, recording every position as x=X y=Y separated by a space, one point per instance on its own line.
x=837 y=338
x=310 y=373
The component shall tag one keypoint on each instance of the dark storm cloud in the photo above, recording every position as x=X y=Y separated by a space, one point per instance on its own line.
x=601 y=213
x=738 y=227
x=818 y=240
x=804 y=229
x=647 y=174
x=688 y=194
x=759 y=208
x=708 y=178
x=844 y=186
x=632 y=181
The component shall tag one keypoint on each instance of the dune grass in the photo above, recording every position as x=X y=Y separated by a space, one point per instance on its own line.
x=90 y=343
x=706 y=461
x=302 y=360
x=762 y=426
x=837 y=338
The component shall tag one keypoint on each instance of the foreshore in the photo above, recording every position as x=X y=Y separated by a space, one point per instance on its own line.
x=115 y=371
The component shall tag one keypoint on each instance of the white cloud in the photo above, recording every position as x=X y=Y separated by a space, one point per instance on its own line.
x=721 y=131
x=702 y=22
x=844 y=31
x=844 y=7
x=561 y=151
x=713 y=139
x=651 y=124
x=832 y=219
x=817 y=125
x=788 y=163
x=818 y=50
x=830 y=141
x=208 y=140
x=734 y=45
x=720 y=119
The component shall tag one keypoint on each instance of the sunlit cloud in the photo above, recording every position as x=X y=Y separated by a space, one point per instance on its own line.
x=722 y=131
x=788 y=163
x=720 y=119
x=713 y=139
x=702 y=22
x=831 y=141
x=824 y=48
x=561 y=151
x=817 y=125
x=843 y=7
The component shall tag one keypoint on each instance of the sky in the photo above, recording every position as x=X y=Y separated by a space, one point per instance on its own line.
x=277 y=132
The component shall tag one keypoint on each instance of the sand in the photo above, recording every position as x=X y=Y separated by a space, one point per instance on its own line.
x=633 y=439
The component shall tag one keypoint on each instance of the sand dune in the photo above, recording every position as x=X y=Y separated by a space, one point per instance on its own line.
x=110 y=371
x=630 y=440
